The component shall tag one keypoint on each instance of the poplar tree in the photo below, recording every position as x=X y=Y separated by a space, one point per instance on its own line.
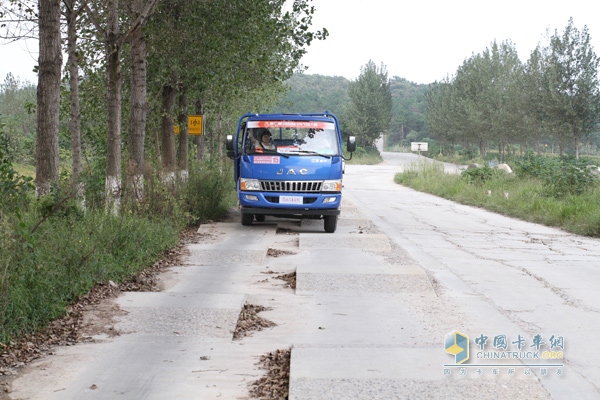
x=48 y=96
x=573 y=83
x=370 y=110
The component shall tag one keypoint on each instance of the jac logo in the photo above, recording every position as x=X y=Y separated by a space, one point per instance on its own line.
x=291 y=171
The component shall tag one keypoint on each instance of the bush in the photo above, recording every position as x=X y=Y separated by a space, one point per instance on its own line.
x=561 y=176
x=481 y=175
x=208 y=192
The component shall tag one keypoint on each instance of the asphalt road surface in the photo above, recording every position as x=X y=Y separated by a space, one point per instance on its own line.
x=382 y=309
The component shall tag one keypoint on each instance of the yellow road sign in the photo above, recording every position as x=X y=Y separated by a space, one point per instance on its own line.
x=195 y=124
x=176 y=129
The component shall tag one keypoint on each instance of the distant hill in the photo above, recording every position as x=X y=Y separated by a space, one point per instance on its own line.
x=316 y=93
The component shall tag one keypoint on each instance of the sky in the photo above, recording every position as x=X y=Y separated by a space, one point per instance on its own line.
x=422 y=41
x=427 y=40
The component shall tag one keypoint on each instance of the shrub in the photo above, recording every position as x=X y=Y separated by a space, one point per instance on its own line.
x=561 y=176
x=208 y=192
x=481 y=175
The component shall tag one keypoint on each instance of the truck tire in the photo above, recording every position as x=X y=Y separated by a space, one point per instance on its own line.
x=330 y=223
x=247 y=219
x=259 y=217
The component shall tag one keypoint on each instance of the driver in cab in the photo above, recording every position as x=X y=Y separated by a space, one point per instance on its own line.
x=266 y=141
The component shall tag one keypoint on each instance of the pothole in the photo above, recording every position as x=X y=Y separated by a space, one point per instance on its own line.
x=249 y=321
x=275 y=384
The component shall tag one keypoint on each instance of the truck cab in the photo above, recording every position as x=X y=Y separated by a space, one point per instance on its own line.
x=289 y=166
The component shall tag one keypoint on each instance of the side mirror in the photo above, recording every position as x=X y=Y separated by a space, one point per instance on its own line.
x=229 y=142
x=229 y=146
x=351 y=145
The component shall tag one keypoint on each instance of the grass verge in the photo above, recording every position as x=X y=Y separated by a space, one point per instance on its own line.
x=52 y=252
x=525 y=198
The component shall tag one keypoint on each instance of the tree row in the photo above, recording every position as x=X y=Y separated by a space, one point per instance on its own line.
x=496 y=100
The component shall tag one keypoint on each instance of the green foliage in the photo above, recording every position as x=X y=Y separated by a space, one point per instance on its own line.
x=208 y=193
x=561 y=176
x=481 y=103
x=481 y=175
x=14 y=188
x=408 y=110
x=571 y=84
x=314 y=93
x=496 y=101
x=370 y=111
x=16 y=99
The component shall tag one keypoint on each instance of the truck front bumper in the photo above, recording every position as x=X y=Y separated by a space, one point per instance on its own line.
x=291 y=212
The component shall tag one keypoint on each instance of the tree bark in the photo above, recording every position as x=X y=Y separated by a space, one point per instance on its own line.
x=220 y=137
x=48 y=96
x=169 y=94
x=199 y=140
x=183 y=137
x=75 y=112
x=113 y=156
x=138 y=112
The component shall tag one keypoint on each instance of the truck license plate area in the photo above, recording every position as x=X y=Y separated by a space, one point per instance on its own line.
x=290 y=199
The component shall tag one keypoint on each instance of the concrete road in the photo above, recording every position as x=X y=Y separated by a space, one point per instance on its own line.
x=371 y=312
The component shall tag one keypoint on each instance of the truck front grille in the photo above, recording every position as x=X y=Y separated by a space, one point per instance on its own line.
x=291 y=186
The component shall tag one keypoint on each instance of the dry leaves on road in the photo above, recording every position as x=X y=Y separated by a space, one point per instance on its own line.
x=249 y=321
x=275 y=384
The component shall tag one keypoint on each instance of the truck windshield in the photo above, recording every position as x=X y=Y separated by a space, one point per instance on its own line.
x=292 y=137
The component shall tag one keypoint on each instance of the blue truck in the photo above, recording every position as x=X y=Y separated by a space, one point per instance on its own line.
x=289 y=166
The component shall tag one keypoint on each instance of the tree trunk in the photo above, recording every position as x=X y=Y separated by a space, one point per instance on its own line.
x=138 y=112
x=48 y=96
x=481 y=147
x=113 y=150
x=183 y=137
x=199 y=140
x=577 y=141
x=71 y=15
x=219 y=138
x=167 y=136
x=73 y=61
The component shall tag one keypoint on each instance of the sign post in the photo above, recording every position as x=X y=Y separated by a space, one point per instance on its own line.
x=418 y=146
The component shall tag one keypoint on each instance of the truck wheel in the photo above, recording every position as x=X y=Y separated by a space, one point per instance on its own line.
x=330 y=223
x=259 y=217
x=247 y=219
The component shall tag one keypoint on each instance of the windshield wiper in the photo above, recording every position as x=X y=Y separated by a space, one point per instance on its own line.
x=312 y=153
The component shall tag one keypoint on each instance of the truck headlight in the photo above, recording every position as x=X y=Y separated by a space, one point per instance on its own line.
x=332 y=186
x=249 y=184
